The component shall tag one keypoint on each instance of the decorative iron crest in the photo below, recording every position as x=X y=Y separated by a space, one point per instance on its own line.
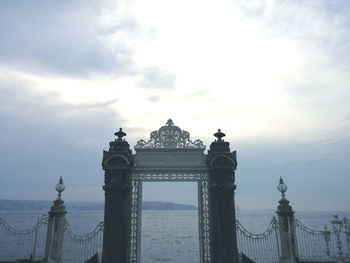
x=170 y=136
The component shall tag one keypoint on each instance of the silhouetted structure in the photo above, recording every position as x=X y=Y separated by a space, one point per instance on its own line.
x=55 y=228
x=169 y=155
x=286 y=227
x=117 y=163
x=222 y=165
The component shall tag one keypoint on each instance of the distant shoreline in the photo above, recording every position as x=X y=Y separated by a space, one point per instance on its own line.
x=24 y=205
x=44 y=205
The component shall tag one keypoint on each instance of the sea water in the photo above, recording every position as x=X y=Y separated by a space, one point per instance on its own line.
x=169 y=235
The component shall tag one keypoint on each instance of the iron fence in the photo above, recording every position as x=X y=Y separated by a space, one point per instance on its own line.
x=310 y=243
x=262 y=248
x=25 y=244
x=79 y=248
x=30 y=243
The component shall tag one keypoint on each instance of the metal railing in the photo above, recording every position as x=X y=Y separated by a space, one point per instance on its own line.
x=25 y=244
x=324 y=244
x=79 y=248
x=30 y=243
x=263 y=247
x=347 y=234
x=311 y=243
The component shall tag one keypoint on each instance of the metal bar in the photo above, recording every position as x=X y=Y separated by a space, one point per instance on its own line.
x=139 y=221
x=200 y=222
x=35 y=237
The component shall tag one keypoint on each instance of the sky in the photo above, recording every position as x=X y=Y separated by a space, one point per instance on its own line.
x=273 y=75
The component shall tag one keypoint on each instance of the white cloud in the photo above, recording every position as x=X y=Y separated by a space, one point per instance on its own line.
x=266 y=65
x=256 y=69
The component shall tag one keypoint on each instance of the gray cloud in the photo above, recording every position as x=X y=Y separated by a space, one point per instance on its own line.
x=98 y=104
x=321 y=22
x=318 y=27
x=128 y=24
x=62 y=37
x=316 y=173
x=42 y=140
x=65 y=37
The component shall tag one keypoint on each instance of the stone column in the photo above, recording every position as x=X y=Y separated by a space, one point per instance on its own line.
x=117 y=163
x=221 y=166
x=55 y=228
x=287 y=232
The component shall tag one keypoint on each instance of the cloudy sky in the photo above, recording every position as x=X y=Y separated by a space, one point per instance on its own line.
x=273 y=75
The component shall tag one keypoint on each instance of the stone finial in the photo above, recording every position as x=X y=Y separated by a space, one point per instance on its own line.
x=120 y=134
x=219 y=145
x=219 y=135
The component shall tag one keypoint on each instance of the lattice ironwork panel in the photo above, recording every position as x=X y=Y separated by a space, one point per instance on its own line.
x=170 y=176
x=203 y=215
x=134 y=229
x=203 y=208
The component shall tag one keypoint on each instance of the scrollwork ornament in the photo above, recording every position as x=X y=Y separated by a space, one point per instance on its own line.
x=169 y=136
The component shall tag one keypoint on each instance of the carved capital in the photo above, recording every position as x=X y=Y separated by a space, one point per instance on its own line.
x=222 y=161
x=116 y=161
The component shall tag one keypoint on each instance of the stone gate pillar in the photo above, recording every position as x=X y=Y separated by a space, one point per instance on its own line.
x=221 y=166
x=55 y=228
x=117 y=163
x=287 y=232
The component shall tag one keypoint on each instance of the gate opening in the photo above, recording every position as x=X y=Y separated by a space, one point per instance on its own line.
x=169 y=156
x=169 y=231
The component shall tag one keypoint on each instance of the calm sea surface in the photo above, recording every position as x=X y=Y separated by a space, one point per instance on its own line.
x=169 y=235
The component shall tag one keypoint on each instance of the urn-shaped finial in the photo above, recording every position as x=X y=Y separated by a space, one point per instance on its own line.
x=60 y=187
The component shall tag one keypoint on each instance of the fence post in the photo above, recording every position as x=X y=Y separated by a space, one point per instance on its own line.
x=55 y=228
x=347 y=232
x=287 y=231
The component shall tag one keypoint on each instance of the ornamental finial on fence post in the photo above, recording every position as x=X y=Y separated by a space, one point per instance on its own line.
x=60 y=187
x=56 y=227
x=282 y=187
x=286 y=224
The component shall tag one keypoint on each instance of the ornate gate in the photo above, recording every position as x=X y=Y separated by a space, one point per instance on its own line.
x=169 y=155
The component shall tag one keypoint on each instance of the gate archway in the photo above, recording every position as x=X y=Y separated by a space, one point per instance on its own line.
x=169 y=155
